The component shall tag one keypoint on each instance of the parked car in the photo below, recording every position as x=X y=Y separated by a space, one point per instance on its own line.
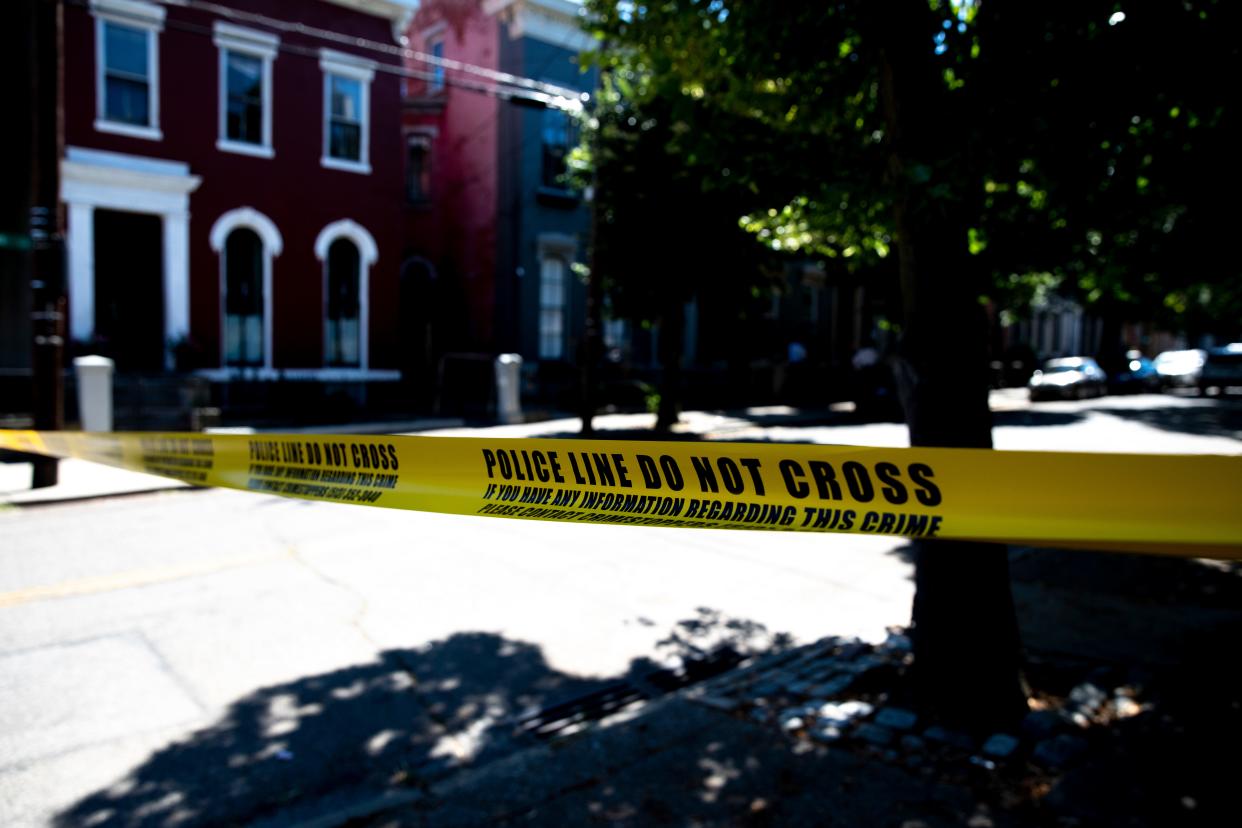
x=1180 y=369
x=1222 y=370
x=1136 y=375
x=1068 y=378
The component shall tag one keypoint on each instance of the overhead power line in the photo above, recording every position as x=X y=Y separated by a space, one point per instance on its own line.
x=505 y=85
x=502 y=85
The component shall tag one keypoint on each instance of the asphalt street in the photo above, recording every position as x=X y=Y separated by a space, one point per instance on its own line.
x=214 y=627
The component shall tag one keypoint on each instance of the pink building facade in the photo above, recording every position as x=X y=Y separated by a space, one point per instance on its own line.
x=491 y=216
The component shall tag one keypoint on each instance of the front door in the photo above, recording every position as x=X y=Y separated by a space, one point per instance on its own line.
x=129 y=289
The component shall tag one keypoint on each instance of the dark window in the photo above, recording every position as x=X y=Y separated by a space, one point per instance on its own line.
x=557 y=140
x=418 y=169
x=437 y=69
x=244 y=115
x=345 y=118
x=342 y=334
x=243 y=298
x=127 y=75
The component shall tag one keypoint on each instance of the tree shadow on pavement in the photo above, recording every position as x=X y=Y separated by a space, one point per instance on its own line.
x=1035 y=418
x=1210 y=418
x=409 y=717
x=1120 y=608
x=637 y=434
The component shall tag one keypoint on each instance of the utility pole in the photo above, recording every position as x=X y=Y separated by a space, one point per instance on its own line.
x=591 y=354
x=44 y=225
x=592 y=350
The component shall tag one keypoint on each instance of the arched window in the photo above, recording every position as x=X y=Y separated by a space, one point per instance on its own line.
x=247 y=241
x=243 y=298
x=342 y=333
x=347 y=251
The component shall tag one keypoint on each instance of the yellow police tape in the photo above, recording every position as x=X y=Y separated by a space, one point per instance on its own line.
x=1169 y=504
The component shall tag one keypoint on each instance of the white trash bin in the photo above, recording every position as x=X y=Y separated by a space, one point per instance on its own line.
x=94 y=392
x=509 y=388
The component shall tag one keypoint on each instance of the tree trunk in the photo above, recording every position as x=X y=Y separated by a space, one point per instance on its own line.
x=967 y=650
x=671 y=348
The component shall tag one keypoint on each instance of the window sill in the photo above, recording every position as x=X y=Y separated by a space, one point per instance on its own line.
x=347 y=166
x=256 y=150
x=130 y=130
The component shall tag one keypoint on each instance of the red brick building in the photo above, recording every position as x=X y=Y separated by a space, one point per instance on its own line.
x=233 y=180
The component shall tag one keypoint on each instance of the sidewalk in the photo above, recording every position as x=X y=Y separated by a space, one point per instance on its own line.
x=78 y=480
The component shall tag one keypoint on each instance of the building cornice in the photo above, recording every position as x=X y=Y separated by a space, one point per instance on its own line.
x=397 y=12
x=555 y=22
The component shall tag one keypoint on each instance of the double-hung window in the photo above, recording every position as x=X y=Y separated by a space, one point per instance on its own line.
x=552 y=301
x=342 y=329
x=347 y=111
x=245 y=83
x=436 y=84
x=127 y=77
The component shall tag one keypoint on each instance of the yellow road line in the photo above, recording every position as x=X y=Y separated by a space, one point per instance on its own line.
x=135 y=578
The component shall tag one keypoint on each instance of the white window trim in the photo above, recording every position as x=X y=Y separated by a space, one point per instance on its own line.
x=564 y=248
x=345 y=65
x=368 y=254
x=273 y=244
x=562 y=307
x=230 y=38
x=135 y=15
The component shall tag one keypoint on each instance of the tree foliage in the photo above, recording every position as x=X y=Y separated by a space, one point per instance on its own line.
x=1086 y=146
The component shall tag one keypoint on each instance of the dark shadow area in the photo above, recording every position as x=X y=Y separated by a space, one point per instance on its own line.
x=817 y=417
x=637 y=434
x=1214 y=418
x=1200 y=416
x=408 y=718
x=1142 y=578
x=649 y=434
x=907 y=553
x=1148 y=611
x=1036 y=417
x=1164 y=629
